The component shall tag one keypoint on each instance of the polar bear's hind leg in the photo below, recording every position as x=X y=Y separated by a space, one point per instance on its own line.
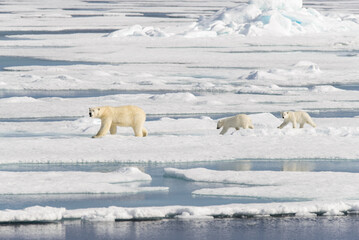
x=140 y=131
x=144 y=132
x=113 y=129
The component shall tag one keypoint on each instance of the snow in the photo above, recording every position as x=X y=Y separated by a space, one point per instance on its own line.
x=19 y=100
x=300 y=209
x=124 y=181
x=324 y=89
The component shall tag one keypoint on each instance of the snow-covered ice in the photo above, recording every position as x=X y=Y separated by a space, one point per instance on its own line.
x=322 y=186
x=177 y=140
x=124 y=181
x=113 y=213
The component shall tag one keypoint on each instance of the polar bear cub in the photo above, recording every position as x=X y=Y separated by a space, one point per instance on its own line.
x=124 y=116
x=296 y=117
x=238 y=121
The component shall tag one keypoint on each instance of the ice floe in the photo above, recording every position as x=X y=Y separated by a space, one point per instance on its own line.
x=323 y=186
x=299 y=209
x=124 y=180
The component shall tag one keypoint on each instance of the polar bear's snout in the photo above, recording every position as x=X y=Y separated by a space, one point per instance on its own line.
x=92 y=112
x=219 y=124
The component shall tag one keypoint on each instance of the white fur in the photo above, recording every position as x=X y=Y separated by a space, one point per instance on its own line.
x=125 y=116
x=237 y=122
x=296 y=117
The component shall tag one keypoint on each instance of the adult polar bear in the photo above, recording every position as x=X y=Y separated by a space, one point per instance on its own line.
x=296 y=117
x=124 y=116
x=238 y=121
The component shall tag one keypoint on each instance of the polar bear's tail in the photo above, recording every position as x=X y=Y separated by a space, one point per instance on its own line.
x=144 y=132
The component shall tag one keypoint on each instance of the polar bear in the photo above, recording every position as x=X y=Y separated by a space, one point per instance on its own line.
x=124 y=116
x=238 y=121
x=296 y=117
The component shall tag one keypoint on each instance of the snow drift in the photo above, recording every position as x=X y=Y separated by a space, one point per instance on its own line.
x=138 y=30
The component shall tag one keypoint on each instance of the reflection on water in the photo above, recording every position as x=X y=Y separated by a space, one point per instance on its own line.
x=253 y=228
x=33 y=231
x=298 y=166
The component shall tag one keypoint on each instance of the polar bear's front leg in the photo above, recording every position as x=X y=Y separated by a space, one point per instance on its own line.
x=283 y=124
x=294 y=123
x=105 y=127
x=224 y=130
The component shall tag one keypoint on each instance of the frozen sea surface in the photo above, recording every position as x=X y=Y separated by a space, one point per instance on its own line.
x=187 y=64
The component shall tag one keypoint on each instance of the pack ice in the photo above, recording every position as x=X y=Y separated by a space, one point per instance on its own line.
x=269 y=17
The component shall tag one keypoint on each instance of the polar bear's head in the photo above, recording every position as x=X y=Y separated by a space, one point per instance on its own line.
x=220 y=124
x=285 y=114
x=95 y=112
